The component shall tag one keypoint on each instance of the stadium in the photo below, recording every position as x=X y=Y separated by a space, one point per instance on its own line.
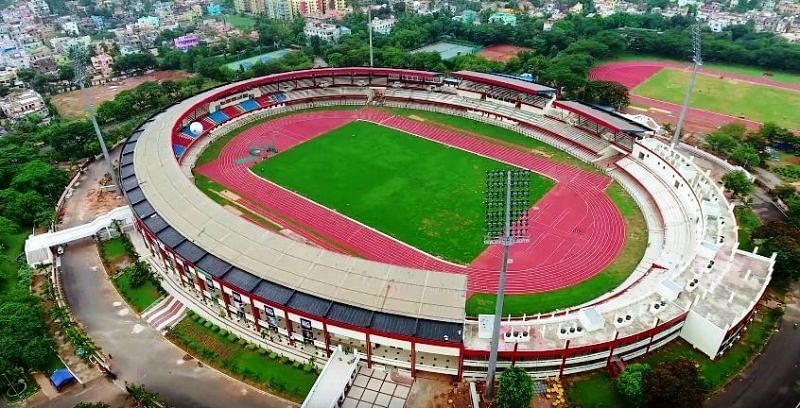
x=287 y=253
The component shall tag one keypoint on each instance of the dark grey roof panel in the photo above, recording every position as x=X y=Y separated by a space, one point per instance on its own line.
x=135 y=196
x=128 y=148
x=130 y=183
x=126 y=160
x=143 y=209
x=273 y=292
x=434 y=330
x=349 y=314
x=241 y=279
x=155 y=223
x=190 y=252
x=309 y=304
x=136 y=135
x=126 y=171
x=393 y=323
x=169 y=237
x=211 y=264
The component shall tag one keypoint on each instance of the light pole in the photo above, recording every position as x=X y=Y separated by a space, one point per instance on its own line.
x=697 y=59
x=507 y=201
x=369 y=28
x=79 y=63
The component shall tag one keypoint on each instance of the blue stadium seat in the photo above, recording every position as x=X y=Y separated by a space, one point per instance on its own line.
x=249 y=105
x=218 y=117
x=178 y=149
x=279 y=97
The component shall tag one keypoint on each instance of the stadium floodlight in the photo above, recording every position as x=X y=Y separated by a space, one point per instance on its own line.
x=369 y=28
x=507 y=201
x=697 y=59
x=79 y=55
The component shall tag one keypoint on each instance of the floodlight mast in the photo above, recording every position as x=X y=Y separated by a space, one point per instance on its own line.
x=369 y=28
x=697 y=59
x=79 y=55
x=508 y=189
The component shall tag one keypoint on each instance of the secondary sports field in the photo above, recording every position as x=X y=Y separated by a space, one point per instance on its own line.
x=729 y=96
x=420 y=192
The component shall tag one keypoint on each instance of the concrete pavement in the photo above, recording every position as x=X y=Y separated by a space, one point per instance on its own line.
x=140 y=354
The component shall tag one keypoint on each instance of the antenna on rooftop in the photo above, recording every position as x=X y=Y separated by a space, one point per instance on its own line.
x=79 y=54
x=697 y=59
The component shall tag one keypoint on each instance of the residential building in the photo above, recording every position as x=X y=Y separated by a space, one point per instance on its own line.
x=70 y=28
x=19 y=105
x=39 y=7
x=382 y=26
x=324 y=31
x=503 y=18
x=279 y=9
x=8 y=77
x=252 y=7
x=148 y=23
x=214 y=9
x=187 y=42
x=305 y=7
x=103 y=64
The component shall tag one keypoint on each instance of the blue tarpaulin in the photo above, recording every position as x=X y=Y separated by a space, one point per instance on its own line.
x=61 y=378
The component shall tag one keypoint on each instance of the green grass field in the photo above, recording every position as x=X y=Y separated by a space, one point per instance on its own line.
x=139 y=298
x=114 y=249
x=250 y=365
x=732 y=97
x=239 y=22
x=420 y=192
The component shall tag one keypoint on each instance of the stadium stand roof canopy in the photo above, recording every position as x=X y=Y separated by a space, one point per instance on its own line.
x=605 y=118
x=505 y=82
x=307 y=278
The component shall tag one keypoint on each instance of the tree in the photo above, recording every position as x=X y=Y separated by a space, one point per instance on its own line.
x=44 y=178
x=784 y=239
x=726 y=138
x=134 y=62
x=675 y=383
x=516 y=389
x=28 y=208
x=631 y=383
x=608 y=93
x=8 y=227
x=140 y=274
x=70 y=140
x=23 y=339
x=738 y=182
x=745 y=155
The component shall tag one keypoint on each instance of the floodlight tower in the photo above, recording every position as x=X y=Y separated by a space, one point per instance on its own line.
x=697 y=59
x=79 y=54
x=507 y=201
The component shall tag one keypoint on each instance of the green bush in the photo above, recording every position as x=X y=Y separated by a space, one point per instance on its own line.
x=207 y=325
x=296 y=364
x=308 y=367
x=232 y=337
x=242 y=342
x=223 y=332
x=201 y=321
x=262 y=351
x=273 y=355
x=190 y=312
x=284 y=359
x=790 y=172
x=215 y=328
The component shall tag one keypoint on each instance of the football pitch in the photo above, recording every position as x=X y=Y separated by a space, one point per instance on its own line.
x=423 y=193
x=729 y=96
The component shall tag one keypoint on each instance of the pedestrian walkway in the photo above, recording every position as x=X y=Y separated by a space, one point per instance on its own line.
x=165 y=313
x=375 y=388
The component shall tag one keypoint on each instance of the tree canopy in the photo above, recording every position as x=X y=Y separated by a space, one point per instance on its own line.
x=516 y=388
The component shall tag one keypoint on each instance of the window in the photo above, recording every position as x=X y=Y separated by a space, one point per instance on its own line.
x=210 y=282
x=237 y=297
x=641 y=156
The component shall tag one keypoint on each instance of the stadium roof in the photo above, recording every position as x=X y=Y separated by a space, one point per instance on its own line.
x=602 y=117
x=505 y=82
x=197 y=224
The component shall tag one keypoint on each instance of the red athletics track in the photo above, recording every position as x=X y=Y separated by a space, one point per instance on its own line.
x=633 y=73
x=577 y=230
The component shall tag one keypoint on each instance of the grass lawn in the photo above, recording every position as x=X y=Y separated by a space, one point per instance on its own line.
x=139 y=298
x=114 y=249
x=747 y=221
x=606 y=280
x=256 y=367
x=756 y=102
x=418 y=191
x=239 y=22
x=597 y=390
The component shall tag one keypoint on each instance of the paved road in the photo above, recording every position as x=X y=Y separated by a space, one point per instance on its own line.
x=770 y=380
x=140 y=354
